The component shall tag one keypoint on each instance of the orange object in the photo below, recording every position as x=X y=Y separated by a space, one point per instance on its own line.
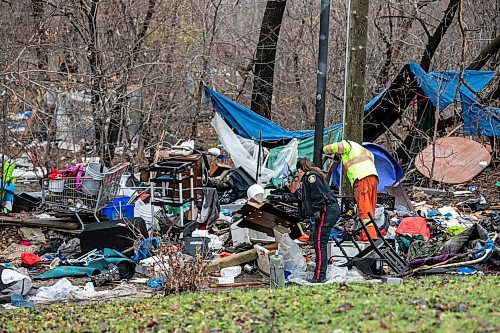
x=365 y=193
x=304 y=238
x=371 y=232
x=225 y=254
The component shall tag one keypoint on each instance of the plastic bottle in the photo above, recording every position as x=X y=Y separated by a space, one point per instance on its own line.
x=277 y=271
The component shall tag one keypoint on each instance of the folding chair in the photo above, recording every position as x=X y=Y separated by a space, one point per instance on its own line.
x=384 y=253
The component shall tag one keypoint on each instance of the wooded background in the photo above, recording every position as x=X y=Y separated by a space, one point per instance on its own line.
x=139 y=65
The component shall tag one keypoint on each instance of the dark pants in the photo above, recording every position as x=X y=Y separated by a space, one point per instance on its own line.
x=320 y=233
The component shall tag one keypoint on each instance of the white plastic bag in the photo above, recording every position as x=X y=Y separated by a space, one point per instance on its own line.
x=292 y=255
x=55 y=292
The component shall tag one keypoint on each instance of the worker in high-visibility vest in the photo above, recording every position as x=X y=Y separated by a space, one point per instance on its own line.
x=359 y=164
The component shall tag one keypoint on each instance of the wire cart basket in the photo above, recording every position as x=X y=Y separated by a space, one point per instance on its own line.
x=83 y=194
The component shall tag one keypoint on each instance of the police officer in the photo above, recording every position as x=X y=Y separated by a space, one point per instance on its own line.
x=317 y=202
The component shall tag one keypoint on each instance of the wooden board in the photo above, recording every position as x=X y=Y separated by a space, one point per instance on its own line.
x=457 y=160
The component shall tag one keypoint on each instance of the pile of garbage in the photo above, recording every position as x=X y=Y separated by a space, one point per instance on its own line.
x=193 y=221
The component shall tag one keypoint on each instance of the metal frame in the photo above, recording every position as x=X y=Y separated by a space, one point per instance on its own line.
x=174 y=170
x=77 y=198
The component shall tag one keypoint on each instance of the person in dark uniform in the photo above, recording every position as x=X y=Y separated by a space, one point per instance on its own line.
x=316 y=202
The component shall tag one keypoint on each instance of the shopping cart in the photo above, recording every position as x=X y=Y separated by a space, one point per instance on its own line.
x=82 y=194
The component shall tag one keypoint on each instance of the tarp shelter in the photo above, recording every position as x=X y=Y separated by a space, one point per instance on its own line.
x=479 y=119
x=388 y=169
x=414 y=84
x=249 y=124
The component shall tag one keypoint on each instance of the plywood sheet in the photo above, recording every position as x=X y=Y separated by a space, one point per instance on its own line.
x=456 y=160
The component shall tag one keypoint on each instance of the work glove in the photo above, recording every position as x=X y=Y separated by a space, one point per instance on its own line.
x=274 y=197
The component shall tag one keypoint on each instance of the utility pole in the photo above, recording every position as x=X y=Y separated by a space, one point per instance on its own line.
x=354 y=94
x=319 y=124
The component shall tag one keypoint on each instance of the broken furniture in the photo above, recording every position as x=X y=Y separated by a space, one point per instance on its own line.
x=371 y=259
x=167 y=180
x=71 y=194
x=265 y=217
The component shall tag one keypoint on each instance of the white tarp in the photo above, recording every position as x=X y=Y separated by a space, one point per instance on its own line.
x=244 y=152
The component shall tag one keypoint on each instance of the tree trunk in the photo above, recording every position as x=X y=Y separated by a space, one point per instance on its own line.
x=486 y=53
x=426 y=120
x=435 y=39
x=41 y=41
x=265 y=58
x=355 y=98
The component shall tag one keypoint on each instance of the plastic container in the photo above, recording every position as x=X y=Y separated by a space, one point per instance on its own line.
x=233 y=271
x=92 y=183
x=56 y=185
x=194 y=246
x=351 y=250
x=119 y=209
x=277 y=271
x=224 y=279
x=147 y=212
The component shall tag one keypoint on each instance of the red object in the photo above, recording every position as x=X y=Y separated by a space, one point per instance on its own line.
x=225 y=254
x=304 y=238
x=25 y=243
x=55 y=174
x=414 y=226
x=308 y=259
x=30 y=258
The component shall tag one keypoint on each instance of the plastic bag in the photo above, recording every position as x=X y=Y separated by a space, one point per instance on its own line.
x=55 y=292
x=292 y=255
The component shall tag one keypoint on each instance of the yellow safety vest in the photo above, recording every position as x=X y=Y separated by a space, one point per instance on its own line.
x=357 y=161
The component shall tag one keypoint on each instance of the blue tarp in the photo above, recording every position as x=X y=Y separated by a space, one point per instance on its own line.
x=442 y=85
x=439 y=86
x=389 y=170
x=479 y=119
x=249 y=124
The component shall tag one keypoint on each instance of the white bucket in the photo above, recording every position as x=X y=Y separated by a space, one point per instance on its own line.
x=147 y=216
x=92 y=186
x=56 y=185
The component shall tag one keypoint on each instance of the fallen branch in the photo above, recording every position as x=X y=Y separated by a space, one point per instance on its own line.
x=63 y=223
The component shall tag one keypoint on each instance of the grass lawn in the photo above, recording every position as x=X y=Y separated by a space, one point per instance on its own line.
x=432 y=304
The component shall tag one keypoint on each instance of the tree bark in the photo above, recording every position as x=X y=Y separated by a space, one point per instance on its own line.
x=265 y=58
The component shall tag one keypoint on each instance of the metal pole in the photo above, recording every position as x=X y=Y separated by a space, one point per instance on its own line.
x=324 y=27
